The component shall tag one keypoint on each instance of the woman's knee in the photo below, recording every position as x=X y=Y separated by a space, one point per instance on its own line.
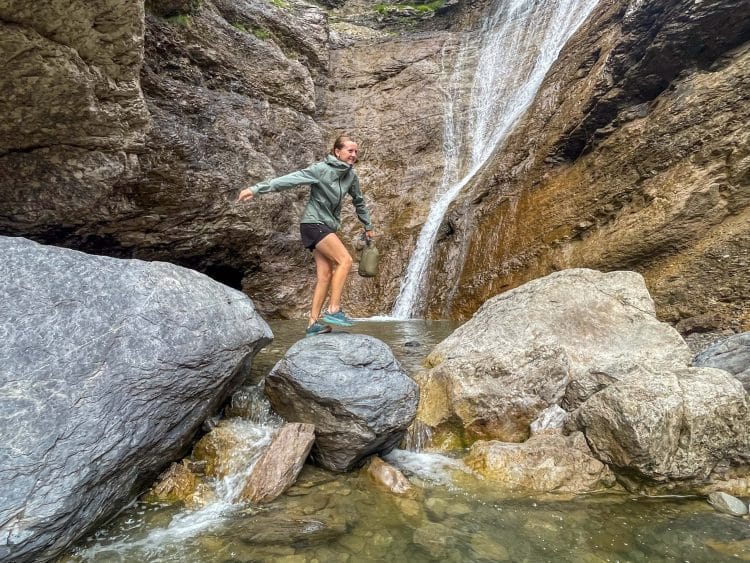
x=345 y=261
x=324 y=276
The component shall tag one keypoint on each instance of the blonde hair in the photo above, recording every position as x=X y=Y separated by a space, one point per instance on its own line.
x=339 y=143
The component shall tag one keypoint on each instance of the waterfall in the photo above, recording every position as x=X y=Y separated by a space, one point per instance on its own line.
x=518 y=44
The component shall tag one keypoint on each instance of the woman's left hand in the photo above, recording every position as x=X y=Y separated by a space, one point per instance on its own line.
x=245 y=195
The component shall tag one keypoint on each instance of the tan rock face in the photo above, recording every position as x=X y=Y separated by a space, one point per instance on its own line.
x=74 y=114
x=581 y=352
x=546 y=463
x=73 y=75
x=216 y=449
x=632 y=157
x=177 y=483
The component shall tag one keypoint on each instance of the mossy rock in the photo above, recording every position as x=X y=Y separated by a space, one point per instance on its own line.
x=172 y=8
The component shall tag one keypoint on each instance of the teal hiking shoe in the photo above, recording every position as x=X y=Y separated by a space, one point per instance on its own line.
x=317 y=328
x=338 y=318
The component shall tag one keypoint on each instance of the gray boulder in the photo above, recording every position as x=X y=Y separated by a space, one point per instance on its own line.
x=352 y=389
x=727 y=504
x=109 y=368
x=731 y=354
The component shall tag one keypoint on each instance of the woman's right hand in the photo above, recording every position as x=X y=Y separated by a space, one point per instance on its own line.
x=245 y=195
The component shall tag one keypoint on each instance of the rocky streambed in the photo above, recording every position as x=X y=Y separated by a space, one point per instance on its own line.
x=567 y=386
x=449 y=511
x=538 y=418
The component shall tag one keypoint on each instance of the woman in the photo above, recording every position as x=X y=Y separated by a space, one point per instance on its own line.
x=329 y=181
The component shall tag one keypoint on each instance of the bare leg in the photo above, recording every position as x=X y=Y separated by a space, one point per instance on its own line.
x=323 y=271
x=338 y=256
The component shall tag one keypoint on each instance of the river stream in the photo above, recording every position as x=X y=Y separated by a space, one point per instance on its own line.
x=453 y=515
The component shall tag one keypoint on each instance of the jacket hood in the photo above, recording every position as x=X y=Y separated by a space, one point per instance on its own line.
x=341 y=166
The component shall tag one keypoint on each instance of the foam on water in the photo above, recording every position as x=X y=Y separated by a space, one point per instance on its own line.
x=223 y=500
x=428 y=466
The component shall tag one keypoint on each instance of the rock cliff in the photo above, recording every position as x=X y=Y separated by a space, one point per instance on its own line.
x=633 y=156
x=129 y=132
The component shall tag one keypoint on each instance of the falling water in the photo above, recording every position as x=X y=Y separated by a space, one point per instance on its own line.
x=220 y=503
x=519 y=43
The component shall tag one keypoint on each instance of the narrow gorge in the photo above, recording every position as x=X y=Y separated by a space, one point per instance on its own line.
x=551 y=363
x=131 y=129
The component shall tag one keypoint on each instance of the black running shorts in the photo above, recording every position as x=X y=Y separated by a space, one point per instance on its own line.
x=312 y=234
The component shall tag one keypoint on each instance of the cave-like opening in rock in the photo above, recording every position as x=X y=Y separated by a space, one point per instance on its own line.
x=228 y=275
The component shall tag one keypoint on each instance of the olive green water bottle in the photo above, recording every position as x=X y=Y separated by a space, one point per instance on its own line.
x=368 y=261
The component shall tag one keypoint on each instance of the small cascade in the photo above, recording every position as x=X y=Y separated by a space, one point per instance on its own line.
x=518 y=44
x=250 y=403
x=252 y=440
x=418 y=437
x=219 y=501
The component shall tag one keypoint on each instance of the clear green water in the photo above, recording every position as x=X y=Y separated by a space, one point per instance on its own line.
x=452 y=516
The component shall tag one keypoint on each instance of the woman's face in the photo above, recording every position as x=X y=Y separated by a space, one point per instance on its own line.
x=347 y=153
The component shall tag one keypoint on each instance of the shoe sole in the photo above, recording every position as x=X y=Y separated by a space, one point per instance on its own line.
x=308 y=335
x=336 y=322
x=326 y=330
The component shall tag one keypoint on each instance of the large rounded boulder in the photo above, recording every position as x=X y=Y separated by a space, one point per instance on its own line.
x=351 y=387
x=109 y=368
x=554 y=341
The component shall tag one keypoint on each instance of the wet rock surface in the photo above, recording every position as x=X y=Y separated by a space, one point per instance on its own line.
x=731 y=354
x=545 y=463
x=177 y=484
x=727 y=504
x=351 y=388
x=110 y=368
x=280 y=463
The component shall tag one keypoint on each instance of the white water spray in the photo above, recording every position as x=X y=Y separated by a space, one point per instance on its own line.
x=519 y=43
x=222 y=503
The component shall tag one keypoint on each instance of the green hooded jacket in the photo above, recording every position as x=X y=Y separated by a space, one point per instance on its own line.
x=329 y=181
